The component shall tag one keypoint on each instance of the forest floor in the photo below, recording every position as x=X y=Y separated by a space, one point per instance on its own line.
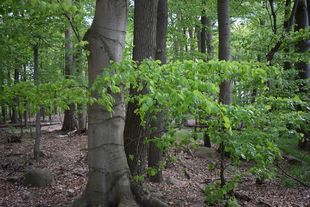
x=185 y=176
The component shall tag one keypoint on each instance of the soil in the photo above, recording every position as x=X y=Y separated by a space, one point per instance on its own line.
x=65 y=156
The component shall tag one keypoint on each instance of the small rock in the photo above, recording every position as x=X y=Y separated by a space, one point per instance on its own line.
x=38 y=177
x=12 y=179
x=30 y=195
x=70 y=190
x=173 y=181
x=205 y=153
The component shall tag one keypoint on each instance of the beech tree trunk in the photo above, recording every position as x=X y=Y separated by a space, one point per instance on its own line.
x=108 y=177
x=145 y=19
x=224 y=54
x=69 y=123
x=155 y=154
x=36 y=150
x=224 y=47
x=203 y=33
x=81 y=109
x=302 y=22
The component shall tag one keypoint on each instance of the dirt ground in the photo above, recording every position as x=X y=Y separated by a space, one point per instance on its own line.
x=65 y=157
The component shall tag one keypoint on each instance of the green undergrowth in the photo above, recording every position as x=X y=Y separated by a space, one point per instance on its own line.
x=289 y=146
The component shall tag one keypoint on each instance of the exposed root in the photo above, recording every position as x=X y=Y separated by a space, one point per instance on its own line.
x=145 y=198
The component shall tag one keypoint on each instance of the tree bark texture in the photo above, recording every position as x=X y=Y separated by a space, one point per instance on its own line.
x=108 y=177
x=155 y=154
x=209 y=39
x=224 y=47
x=81 y=109
x=36 y=150
x=145 y=19
x=303 y=46
x=69 y=123
x=203 y=33
x=302 y=22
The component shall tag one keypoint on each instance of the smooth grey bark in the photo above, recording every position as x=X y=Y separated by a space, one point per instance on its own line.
x=81 y=109
x=224 y=47
x=36 y=149
x=145 y=18
x=155 y=154
x=108 y=177
x=69 y=123
x=224 y=54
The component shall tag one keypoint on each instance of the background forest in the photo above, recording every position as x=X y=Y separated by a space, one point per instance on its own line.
x=154 y=103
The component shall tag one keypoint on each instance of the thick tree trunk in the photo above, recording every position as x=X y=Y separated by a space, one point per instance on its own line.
x=108 y=178
x=145 y=19
x=69 y=122
x=36 y=150
x=302 y=22
x=155 y=154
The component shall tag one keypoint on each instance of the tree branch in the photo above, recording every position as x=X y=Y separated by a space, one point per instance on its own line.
x=288 y=28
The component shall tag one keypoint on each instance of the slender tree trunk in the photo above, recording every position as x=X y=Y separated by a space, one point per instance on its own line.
x=203 y=33
x=14 y=118
x=287 y=64
x=3 y=107
x=303 y=46
x=81 y=109
x=108 y=177
x=209 y=39
x=224 y=54
x=36 y=150
x=274 y=17
x=224 y=47
x=155 y=154
x=203 y=48
x=69 y=122
x=145 y=19
x=191 y=39
x=25 y=115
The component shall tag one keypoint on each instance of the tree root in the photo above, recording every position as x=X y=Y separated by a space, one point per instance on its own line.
x=290 y=176
x=145 y=198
